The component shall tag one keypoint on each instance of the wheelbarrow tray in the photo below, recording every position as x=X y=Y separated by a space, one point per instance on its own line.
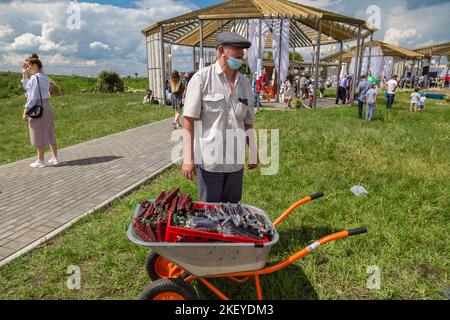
x=210 y=258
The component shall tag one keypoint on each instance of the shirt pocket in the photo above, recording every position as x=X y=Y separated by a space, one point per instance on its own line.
x=241 y=111
x=214 y=102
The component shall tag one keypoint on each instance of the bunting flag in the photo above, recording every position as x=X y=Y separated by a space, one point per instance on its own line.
x=281 y=65
x=254 y=63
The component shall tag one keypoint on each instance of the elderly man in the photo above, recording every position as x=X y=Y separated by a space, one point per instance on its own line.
x=220 y=98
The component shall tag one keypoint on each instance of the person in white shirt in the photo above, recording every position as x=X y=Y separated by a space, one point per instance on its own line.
x=391 y=87
x=42 y=130
x=421 y=104
x=288 y=91
x=415 y=97
x=341 y=90
x=311 y=93
x=149 y=98
x=219 y=103
x=371 y=98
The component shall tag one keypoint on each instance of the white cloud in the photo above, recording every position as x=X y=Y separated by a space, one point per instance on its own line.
x=5 y=30
x=395 y=36
x=410 y=27
x=29 y=41
x=109 y=37
x=99 y=45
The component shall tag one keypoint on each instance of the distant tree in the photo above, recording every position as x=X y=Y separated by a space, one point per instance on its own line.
x=136 y=74
x=109 y=81
x=298 y=56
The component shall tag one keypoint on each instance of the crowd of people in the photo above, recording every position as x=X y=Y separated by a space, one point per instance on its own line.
x=425 y=82
x=367 y=92
x=301 y=86
x=297 y=86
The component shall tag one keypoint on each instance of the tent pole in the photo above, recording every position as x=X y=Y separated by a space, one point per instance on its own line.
x=259 y=66
x=370 y=54
x=355 y=69
x=293 y=58
x=193 y=55
x=403 y=69
x=311 y=67
x=163 y=64
x=147 y=53
x=201 y=46
x=361 y=56
x=316 y=75
x=247 y=33
x=279 y=61
x=341 y=48
x=412 y=71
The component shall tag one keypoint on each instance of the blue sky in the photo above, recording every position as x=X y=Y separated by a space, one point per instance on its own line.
x=109 y=34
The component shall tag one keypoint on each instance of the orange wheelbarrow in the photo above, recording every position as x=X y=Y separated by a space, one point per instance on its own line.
x=172 y=266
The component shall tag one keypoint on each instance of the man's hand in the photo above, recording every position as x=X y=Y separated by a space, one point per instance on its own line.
x=253 y=166
x=188 y=170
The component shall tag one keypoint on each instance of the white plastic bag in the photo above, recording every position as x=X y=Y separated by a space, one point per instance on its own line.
x=358 y=190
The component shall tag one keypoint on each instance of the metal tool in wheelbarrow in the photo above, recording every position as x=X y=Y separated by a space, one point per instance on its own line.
x=231 y=219
x=174 y=217
x=175 y=265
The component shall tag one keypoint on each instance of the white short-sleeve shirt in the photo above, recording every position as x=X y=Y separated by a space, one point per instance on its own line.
x=391 y=85
x=31 y=86
x=220 y=113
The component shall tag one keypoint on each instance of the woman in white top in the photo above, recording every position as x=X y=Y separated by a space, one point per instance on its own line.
x=289 y=91
x=42 y=130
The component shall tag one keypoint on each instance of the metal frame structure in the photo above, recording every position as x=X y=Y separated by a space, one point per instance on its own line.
x=308 y=24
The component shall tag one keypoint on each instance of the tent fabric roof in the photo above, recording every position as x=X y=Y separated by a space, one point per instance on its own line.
x=389 y=50
x=233 y=15
x=441 y=49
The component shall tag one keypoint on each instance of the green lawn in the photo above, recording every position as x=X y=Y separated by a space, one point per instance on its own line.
x=402 y=159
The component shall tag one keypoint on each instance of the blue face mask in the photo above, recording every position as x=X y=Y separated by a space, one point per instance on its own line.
x=234 y=63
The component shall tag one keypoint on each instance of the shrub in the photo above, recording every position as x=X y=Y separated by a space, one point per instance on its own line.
x=298 y=103
x=109 y=82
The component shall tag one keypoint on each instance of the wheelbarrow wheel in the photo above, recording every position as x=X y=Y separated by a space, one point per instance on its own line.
x=158 y=267
x=169 y=289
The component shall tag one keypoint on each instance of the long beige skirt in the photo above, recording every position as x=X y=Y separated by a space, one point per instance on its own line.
x=42 y=130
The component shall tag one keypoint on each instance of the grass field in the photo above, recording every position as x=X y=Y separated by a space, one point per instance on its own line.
x=402 y=159
x=78 y=116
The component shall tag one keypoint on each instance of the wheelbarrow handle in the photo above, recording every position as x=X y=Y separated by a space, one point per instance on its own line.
x=354 y=232
x=317 y=195
x=297 y=204
x=299 y=254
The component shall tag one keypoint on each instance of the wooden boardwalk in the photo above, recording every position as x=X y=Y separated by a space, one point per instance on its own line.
x=37 y=204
